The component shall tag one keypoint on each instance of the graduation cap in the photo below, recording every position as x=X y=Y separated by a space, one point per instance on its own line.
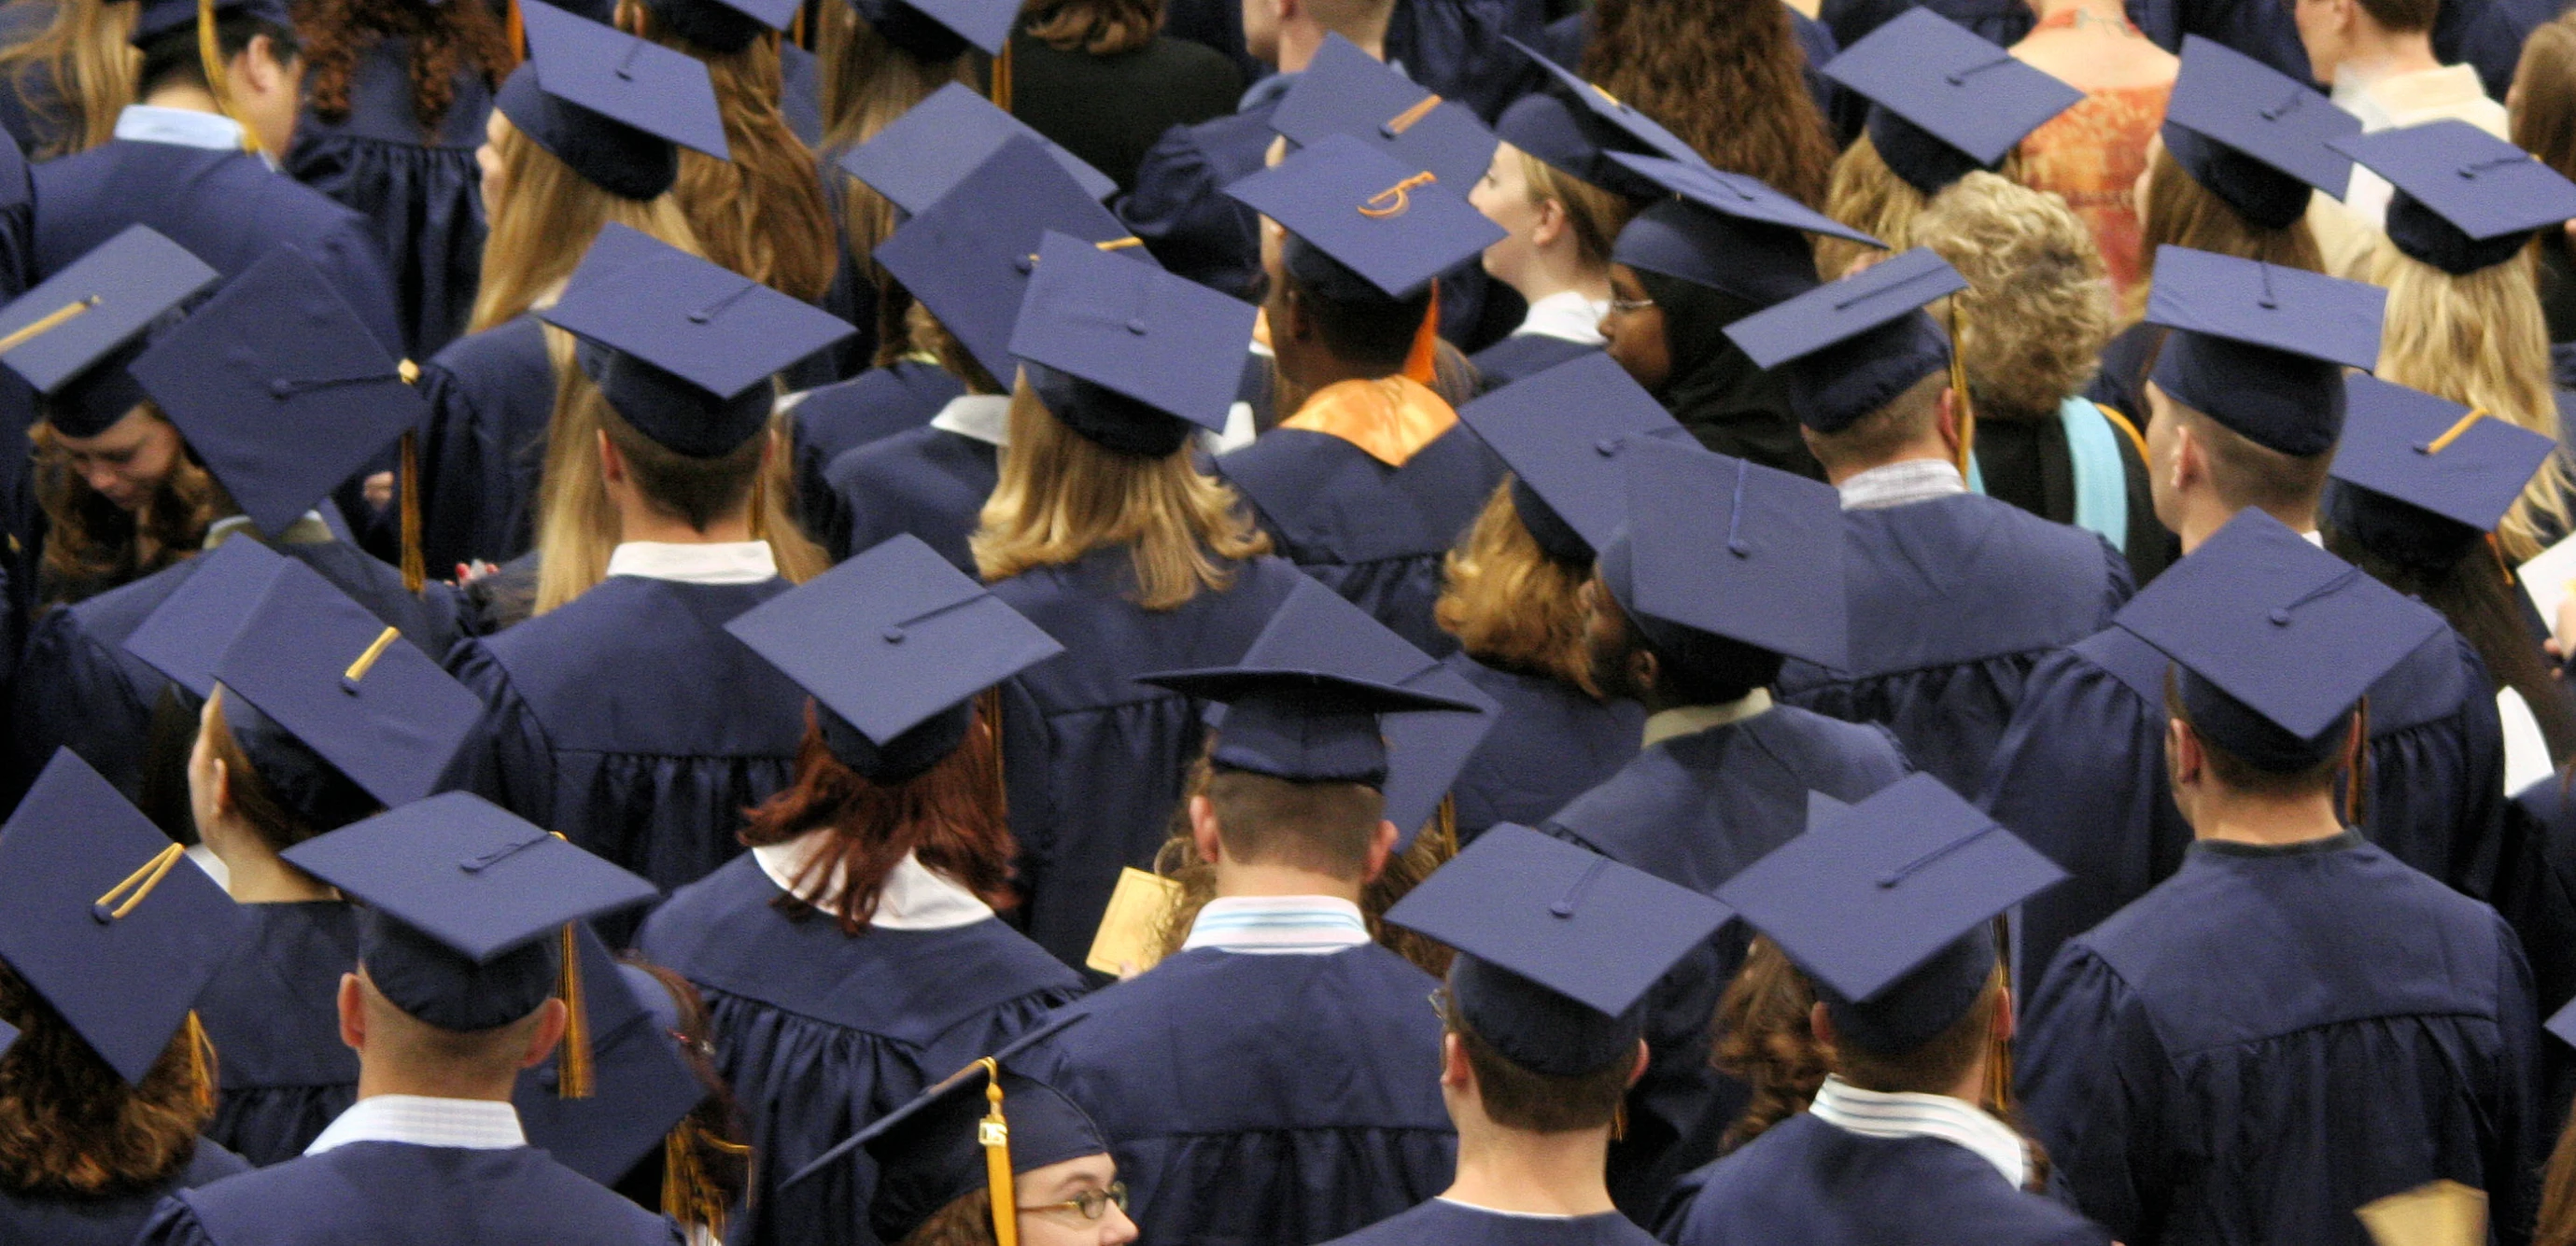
x=610 y=104
x=73 y=335
x=1560 y=431
x=894 y=644
x=942 y=1146
x=1579 y=127
x=1754 y=258
x=1347 y=91
x=1945 y=102
x=2261 y=348
x=1126 y=354
x=2276 y=640
x=725 y=26
x=2563 y=1024
x=940 y=30
x=279 y=387
x=922 y=155
x=1886 y=905
x=1718 y=546
x=106 y=918
x=1737 y=196
x=968 y=256
x=1557 y=945
x=2255 y=137
x=2419 y=479
x=2465 y=200
x=464 y=903
x=187 y=633
x=1852 y=346
x=680 y=347
x=155 y=18
x=642 y=1087
x=1393 y=225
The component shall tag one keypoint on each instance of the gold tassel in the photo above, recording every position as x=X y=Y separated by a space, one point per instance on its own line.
x=210 y=54
x=689 y=1195
x=413 y=572
x=1999 y=1053
x=573 y=1072
x=515 y=33
x=1959 y=386
x=1444 y=823
x=1002 y=100
x=994 y=1134
x=2356 y=795
x=203 y=1065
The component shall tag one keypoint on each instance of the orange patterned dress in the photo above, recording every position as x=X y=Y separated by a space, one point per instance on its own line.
x=2091 y=156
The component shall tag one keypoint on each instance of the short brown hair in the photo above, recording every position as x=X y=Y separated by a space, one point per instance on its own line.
x=1935 y=1067
x=2544 y=112
x=2245 y=474
x=492 y=1053
x=1874 y=437
x=2239 y=775
x=693 y=490
x=2403 y=16
x=1322 y=827
x=1518 y=1098
x=258 y=806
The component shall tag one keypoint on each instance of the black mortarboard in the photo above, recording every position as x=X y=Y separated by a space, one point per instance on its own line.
x=1392 y=225
x=1946 y=103
x=1852 y=346
x=2465 y=199
x=1724 y=547
x=1347 y=91
x=73 y=335
x=922 y=155
x=1560 y=432
x=2419 y=480
x=612 y=105
x=2255 y=137
x=1129 y=356
x=2261 y=348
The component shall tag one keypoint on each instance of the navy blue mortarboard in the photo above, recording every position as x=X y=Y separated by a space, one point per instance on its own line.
x=641 y=1085
x=968 y=256
x=72 y=336
x=1737 y=196
x=1544 y=126
x=2465 y=199
x=1361 y=213
x=894 y=644
x=1560 y=431
x=922 y=155
x=2252 y=135
x=1723 y=547
x=463 y=902
x=1347 y=91
x=188 y=632
x=610 y=104
x=107 y=919
x=1886 y=905
x=1557 y=946
x=1743 y=258
x=1587 y=125
x=2277 y=639
x=2563 y=1024
x=725 y=26
x=680 y=347
x=2419 y=479
x=2261 y=348
x=155 y=18
x=1852 y=346
x=1126 y=354
x=279 y=387
x=941 y=30
x=1945 y=102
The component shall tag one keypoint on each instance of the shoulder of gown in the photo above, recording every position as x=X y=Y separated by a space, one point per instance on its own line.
x=1178 y=209
x=1806 y=1182
x=490 y=397
x=926 y=481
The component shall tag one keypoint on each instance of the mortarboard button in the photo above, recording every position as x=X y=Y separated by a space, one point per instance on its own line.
x=922 y=155
x=72 y=336
x=1945 y=101
x=1783 y=589
x=1394 y=225
x=2252 y=135
x=610 y=104
x=1136 y=392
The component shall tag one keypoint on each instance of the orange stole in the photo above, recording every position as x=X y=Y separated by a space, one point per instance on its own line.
x=1391 y=418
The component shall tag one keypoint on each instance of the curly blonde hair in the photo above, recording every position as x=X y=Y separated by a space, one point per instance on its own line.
x=1868 y=196
x=1511 y=605
x=1765 y=1040
x=2037 y=310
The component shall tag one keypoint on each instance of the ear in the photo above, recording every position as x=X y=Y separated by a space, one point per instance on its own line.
x=629 y=17
x=353 y=1013
x=2005 y=1026
x=1552 y=223
x=2183 y=758
x=2187 y=465
x=1204 y=832
x=1645 y=1056
x=612 y=465
x=256 y=68
x=549 y=1031
x=222 y=789
x=1820 y=1023
x=1381 y=849
x=1455 y=1073
x=1945 y=422
x=1642 y=668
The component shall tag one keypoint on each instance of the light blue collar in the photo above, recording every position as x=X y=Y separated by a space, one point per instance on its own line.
x=182 y=127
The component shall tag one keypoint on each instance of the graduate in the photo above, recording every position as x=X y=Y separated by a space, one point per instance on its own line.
x=1722 y=571
x=1889 y=907
x=965 y=260
x=280 y=392
x=192 y=159
x=1104 y=532
x=2248 y=401
x=853 y=956
x=572 y=145
x=1512 y=592
x=1951 y=595
x=1203 y=1071
x=653 y=773
x=1544 y=1026
x=455 y=990
x=1370 y=481
x=2296 y=1022
x=105 y=1078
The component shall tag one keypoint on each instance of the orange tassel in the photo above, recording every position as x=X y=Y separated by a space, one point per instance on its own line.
x=414 y=574
x=1422 y=363
x=203 y=1063
x=574 y=1075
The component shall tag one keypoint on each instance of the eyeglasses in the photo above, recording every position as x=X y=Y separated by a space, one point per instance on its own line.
x=1093 y=1204
x=1629 y=307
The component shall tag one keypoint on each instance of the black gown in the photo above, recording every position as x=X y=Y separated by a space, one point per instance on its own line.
x=491 y=396
x=273 y=1014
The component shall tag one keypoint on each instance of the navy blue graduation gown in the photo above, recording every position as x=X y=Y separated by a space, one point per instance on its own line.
x=491 y=397
x=1455 y=49
x=1694 y=810
x=226 y=207
x=273 y=1014
x=836 y=419
x=1095 y=761
x=2272 y=1038
x=820 y=1033
x=1522 y=355
x=17 y=221
x=422 y=191
x=108 y=1221
x=394 y=1194
x=79 y=688
x=1263 y=1100
x=631 y=722
x=1551 y=743
x=1806 y=1182
x=926 y=481
x=2080 y=775
x=1456 y=1224
x=1178 y=206
x=2536 y=888
x=1951 y=601
x=1373 y=533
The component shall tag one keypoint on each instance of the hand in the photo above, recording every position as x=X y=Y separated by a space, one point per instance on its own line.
x=469 y=572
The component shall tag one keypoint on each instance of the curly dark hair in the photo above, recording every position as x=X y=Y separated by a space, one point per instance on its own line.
x=445 y=39
x=91 y=545
x=69 y=1125
x=1763 y=1040
x=1725 y=76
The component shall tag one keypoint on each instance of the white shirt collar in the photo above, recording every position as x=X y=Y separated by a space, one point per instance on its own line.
x=1565 y=314
x=1693 y=719
x=722 y=562
x=462 y=1124
x=1278 y=925
x=1877 y=1114
x=1900 y=484
x=1482 y=1210
x=181 y=127
x=914 y=896
x=980 y=417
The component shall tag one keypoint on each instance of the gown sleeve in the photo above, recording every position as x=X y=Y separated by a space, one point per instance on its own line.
x=71 y=694
x=507 y=760
x=354 y=264
x=1191 y=228
x=173 y=1223
x=2523 y=1135
x=2096 y=1085
x=1027 y=743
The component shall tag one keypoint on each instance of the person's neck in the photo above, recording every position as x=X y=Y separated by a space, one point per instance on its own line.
x=1299 y=41
x=187 y=96
x=2376 y=53
x=1248 y=880
x=378 y=1076
x=254 y=875
x=1836 y=472
x=1552 y=275
x=642 y=523
x=2239 y=817
x=1513 y=1170
x=2203 y=518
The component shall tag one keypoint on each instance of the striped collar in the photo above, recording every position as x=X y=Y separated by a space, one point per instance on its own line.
x=1897 y=484
x=416 y=1120
x=1877 y=1114
x=1279 y=925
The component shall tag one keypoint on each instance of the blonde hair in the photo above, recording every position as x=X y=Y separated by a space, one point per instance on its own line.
x=2479 y=339
x=760 y=213
x=2037 y=310
x=1062 y=495
x=1595 y=215
x=1868 y=196
x=546 y=219
x=1509 y=604
x=868 y=81
x=85 y=54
